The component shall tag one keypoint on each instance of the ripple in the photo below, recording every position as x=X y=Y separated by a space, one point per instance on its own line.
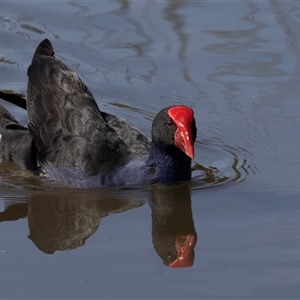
x=222 y=166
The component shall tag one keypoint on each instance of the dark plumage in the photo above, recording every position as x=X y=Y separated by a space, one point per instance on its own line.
x=71 y=140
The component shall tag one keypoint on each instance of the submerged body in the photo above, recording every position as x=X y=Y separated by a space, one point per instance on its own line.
x=69 y=139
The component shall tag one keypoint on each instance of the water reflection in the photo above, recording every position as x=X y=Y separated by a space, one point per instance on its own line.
x=59 y=222
x=173 y=231
x=173 y=13
x=66 y=222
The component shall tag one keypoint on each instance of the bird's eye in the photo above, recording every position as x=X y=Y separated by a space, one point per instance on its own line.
x=169 y=123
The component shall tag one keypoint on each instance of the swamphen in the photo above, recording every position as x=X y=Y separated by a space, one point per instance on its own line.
x=69 y=139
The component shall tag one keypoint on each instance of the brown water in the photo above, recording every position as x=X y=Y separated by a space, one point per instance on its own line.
x=237 y=64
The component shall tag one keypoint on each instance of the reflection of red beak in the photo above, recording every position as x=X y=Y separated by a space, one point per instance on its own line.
x=185 y=255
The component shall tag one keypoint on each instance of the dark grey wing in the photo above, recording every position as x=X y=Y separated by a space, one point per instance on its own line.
x=138 y=142
x=68 y=128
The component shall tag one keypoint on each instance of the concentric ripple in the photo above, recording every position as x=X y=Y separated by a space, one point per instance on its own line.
x=222 y=165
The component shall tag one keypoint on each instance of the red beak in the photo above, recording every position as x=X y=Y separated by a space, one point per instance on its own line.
x=183 y=117
x=184 y=141
x=185 y=255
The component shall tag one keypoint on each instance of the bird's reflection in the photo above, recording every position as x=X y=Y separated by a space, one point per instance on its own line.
x=59 y=222
x=173 y=231
x=66 y=222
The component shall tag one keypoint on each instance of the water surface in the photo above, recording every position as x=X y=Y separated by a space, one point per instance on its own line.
x=237 y=65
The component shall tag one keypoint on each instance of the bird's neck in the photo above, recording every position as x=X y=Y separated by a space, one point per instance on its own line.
x=171 y=164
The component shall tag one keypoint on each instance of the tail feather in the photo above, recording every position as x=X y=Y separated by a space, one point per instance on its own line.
x=44 y=48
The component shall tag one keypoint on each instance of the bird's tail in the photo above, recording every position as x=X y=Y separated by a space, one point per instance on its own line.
x=44 y=48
